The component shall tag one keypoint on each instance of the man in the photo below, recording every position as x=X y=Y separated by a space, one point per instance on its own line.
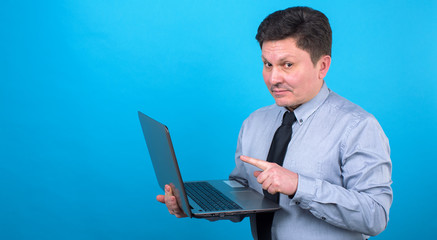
x=332 y=175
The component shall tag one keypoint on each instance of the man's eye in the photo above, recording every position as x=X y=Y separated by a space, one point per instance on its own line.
x=288 y=65
x=267 y=64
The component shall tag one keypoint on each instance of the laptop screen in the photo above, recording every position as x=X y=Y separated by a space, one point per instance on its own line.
x=163 y=158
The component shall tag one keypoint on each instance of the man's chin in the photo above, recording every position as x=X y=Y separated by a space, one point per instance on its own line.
x=282 y=102
x=289 y=105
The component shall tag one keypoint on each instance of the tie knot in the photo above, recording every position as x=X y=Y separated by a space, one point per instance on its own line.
x=288 y=118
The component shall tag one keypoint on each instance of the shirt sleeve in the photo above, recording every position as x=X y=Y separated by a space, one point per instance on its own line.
x=363 y=201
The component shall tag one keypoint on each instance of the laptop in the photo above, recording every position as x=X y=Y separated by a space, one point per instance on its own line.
x=199 y=199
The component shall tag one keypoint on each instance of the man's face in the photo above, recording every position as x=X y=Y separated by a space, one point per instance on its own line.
x=289 y=73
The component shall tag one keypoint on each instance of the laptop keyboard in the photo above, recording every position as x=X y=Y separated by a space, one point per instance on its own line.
x=208 y=197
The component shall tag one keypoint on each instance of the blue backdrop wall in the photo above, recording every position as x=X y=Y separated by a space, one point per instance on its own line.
x=73 y=161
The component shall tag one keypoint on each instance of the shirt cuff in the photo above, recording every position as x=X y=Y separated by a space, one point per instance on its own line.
x=306 y=191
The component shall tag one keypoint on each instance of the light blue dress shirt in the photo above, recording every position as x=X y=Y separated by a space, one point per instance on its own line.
x=342 y=157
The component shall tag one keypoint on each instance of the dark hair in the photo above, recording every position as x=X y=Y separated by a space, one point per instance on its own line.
x=310 y=28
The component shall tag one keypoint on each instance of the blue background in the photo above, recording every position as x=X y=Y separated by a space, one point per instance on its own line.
x=73 y=161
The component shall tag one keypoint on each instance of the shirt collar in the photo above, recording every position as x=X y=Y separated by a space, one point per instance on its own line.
x=304 y=111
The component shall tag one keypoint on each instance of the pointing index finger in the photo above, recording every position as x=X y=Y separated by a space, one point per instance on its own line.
x=263 y=165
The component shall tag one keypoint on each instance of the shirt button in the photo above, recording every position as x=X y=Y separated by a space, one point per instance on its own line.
x=323 y=218
x=297 y=202
x=301 y=120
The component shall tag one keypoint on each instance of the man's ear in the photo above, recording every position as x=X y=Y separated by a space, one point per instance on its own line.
x=324 y=64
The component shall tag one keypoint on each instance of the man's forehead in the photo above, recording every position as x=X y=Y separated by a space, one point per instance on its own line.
x=281 y=57
x=281 y=50
x=289 y=40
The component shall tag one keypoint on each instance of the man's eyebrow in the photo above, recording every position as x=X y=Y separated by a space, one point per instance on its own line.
x=264 y=59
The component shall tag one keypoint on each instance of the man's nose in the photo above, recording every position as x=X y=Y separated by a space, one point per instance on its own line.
x=276 y=76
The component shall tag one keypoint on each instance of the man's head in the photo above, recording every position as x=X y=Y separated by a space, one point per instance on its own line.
x=296 y=49
x=310 y=28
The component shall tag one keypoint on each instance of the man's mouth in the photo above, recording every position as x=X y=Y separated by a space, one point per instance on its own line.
x=279 y=91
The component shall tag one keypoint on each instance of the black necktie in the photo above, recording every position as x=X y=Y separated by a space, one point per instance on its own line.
x=277 y=151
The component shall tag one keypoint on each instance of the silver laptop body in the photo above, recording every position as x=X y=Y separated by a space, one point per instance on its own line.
x=167 y=171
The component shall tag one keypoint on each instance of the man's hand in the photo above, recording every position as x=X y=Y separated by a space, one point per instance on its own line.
x=274 y=178
x=170 y=201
